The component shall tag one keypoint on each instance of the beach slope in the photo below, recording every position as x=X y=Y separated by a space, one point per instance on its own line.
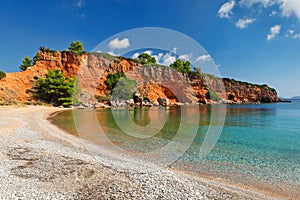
x=40 y=161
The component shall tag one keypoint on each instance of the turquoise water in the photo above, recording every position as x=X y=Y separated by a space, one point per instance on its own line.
x=259 y=145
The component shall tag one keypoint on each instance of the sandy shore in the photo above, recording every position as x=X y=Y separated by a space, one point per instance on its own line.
x=40 y=161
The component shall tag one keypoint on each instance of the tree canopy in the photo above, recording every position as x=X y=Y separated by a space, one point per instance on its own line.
x=112 y=79
x=27 y=62
x=76 y=47
x=121 y=87
x=35 y=59
x=55 y=88
x=146 y=59
x=2 y=74
x=182 y=66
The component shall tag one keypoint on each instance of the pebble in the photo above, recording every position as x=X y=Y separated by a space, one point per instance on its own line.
x=37 y=163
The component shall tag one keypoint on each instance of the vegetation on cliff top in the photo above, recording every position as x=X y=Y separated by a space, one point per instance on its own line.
x=145 y=58
x=263 y=86
x=181 y=66
x=2 y=74
x=27 y=62
x=47 y=50
x=76 y=47
x=57 y=90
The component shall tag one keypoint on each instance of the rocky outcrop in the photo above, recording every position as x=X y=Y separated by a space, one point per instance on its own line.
x=17 y=87
x=152 y=81
x=248 y=92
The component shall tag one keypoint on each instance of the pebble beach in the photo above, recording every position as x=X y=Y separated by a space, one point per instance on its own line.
x=40 y=161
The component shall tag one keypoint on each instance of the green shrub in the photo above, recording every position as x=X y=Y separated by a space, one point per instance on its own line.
x=2 y=74
x=55 y=88
x=27 y=62
x=35 y=59
x=47 y=50
x=145 y=58
x=76 y=47
x=212 y=95
x=231 y=96
x=112 y=79
x=182 y=66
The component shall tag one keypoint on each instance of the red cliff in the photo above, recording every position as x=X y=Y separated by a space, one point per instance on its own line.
x=153 y=81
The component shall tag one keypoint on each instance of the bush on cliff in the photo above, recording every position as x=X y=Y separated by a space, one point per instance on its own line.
x=145 y=58
x=55 y=88
x=47 y=50
x=231 y=97
x=112 y=79
x=36 y=58
x=197 y=73
x=182 y=66
x=121 y=87
x=2 y=74
x=76 y=47
x=27 y=62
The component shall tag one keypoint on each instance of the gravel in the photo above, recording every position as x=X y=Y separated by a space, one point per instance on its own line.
x=39 y=161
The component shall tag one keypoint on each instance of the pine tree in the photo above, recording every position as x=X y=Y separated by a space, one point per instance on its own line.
x=27 y=62
x=55 y=88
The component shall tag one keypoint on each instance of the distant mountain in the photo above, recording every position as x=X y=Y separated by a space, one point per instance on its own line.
x=295 y=98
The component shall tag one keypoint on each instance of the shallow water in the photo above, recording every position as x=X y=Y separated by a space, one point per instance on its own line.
x=259 y=145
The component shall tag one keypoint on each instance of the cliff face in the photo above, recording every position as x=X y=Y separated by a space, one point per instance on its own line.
x=16 y=87
x=247 y=92
x=152 y=81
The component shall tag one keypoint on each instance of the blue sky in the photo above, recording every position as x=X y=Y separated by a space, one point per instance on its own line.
x=250 y=40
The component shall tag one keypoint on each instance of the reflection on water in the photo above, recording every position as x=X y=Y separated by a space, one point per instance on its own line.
x=258 y=142
x=140 y=116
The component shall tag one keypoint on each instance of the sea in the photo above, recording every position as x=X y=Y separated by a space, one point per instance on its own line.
x=255 y=146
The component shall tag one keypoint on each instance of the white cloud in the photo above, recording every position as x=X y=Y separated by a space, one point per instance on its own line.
x=243 y=23
x=113 y=54
x=174 y=50
x=164 y=59
x=289 y=7
x=226 y=9
x=292 y=34
x=79 y=3
x=135 y=55
x=158 y=57
x=265 y=3
x=273 y=13
x=149 y=52
x=204 y=58
x=296 y=36
x=185 y=57
x=119 y=44
x=168 y=59
x=274 y=30
x=82 y=16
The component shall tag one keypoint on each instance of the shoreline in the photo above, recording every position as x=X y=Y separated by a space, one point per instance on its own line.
x=41 y=160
